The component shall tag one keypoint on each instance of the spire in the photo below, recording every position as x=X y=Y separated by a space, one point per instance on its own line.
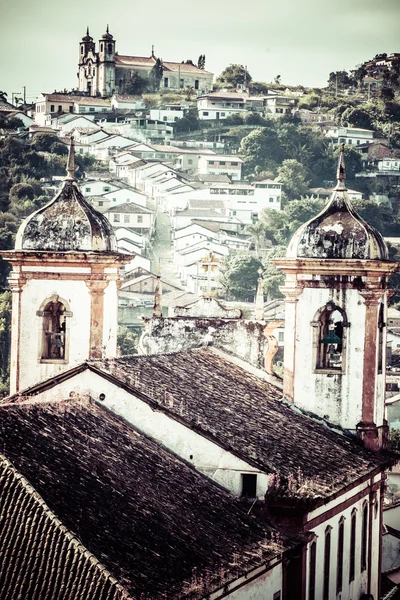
x=71 y=161
x=107 y=30
x=341 y=171
x=152 y=51
x=259 y=304
x=87 y=30
x=157 y=308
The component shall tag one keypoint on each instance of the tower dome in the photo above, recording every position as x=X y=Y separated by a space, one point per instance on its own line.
x=338 y=232
x=107 y=35
x=67 y=223
x=87 y=37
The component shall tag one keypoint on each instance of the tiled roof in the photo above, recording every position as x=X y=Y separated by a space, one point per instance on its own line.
x=150 y=518
x=149 y=62
x=29 y=530
x=129 y=207
x=246 y=414
x=214 y=177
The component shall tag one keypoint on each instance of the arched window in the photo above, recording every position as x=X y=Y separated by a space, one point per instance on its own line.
x=339 y=570
x=101 y=47
x=110 y=48
x=54 y=331
x=327 y=563
x=364 y=537
x=312 y=571
x=330 y=326
x=352 y=566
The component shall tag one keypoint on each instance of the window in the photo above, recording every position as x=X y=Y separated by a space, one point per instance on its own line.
x=327 y=563
x=196 y=84
x=127 y=218
x=181 y=83
x=54 y=313
x=106 y=189
x=222 y=162
x=329 y=329
x=352 y=546
x=110 y=48
x=205 y=113
x=116 y=218
x=52 y=108
x=234 y=164
x=211 y=162
x=165 y=118
x=82 y=50
x=364 y=537
x=139 y=219
x=101 y=47
x=71 y=108
x=270 y=200
x=281 y=336
x=190 y=161
x=249 y=485
x=222 y=114
x=59 y=108
x=339 y=570
x=165 y=82
x=91 y=109
x=312 y=569
x=87 y=189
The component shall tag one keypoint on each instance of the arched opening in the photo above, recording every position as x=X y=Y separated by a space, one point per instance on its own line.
x=110 y=48
x=329 y=338
x=54 y=338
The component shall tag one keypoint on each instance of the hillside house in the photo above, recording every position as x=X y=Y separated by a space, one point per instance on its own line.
x=217 y=164
x=131 y=215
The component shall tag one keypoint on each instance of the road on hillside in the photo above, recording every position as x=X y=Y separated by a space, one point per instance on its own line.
x=161 y=253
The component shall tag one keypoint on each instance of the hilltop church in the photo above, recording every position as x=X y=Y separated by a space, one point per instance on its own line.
x=105 y=72
x=193 y=475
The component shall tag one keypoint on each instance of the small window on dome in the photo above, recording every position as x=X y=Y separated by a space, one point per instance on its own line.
x=329 y=338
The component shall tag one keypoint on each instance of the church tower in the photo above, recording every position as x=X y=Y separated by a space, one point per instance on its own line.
x=87 y=66
x=106 y=75
x=64 y=285
x=336 y=291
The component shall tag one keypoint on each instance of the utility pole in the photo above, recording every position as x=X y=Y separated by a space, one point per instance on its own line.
x=24 y=95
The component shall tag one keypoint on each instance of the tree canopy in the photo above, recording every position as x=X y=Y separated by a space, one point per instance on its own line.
x=234 y=75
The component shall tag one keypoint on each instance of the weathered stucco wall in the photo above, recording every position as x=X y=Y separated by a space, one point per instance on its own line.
x=212 y=460
x=336 y=396
x=242 y=338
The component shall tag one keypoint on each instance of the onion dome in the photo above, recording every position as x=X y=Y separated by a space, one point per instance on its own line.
x=87 y=37
x=338 y=232
x=67 y=223
x=107 y=35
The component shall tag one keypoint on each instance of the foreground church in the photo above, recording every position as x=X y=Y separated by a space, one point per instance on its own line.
x=193 y=474
x=103 y=72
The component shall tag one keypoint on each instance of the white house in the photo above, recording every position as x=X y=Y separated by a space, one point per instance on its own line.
x=389 y=165
x=191 y=235
x=131 y=215
x=124 y=103
x=170 y=113
x=279 y=105
x=220 y=105
x=217 y=164
x=353 y=136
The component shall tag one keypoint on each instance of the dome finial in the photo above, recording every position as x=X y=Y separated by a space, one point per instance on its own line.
x=341 y=171
x=71 y=161
x=87 y=30
x=108 y=31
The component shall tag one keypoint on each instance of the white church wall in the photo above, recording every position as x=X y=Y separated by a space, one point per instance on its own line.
x=342 y=393
x=258 y=585
x=344 y=509
x=78 y=326
x=205 y=455
x=110 y=317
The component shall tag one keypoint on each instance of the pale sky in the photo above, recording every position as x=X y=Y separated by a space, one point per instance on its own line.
x=301 y=40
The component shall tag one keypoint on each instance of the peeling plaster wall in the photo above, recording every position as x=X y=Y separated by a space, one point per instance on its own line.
x=210 y=459
x=337 y=396
x=245 y=339
x=262 y=588
x=34 y=293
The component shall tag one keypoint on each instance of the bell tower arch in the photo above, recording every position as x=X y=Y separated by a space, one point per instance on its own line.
x=64 y=281
x=336 y=295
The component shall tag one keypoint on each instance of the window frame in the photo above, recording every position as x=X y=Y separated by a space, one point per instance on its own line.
x=317 y=324
x=42 y=313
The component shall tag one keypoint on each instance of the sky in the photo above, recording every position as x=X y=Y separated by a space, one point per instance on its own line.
x=300 y=40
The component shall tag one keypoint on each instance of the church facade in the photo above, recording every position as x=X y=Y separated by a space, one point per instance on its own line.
x=103 y=72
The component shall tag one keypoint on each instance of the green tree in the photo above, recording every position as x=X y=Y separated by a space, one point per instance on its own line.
x=339 y=79
x=189 y=92
x=357 y=117
x=201 y=63
x=260 y=147
x=273 y=277
x=156 y=74
x=258 y=87
x=293 y=175
x=190 y=122
x=134 y=84
x=127 y=341
x=240 y=276
x=234 y=75
x=5 y=341
x=43 y=141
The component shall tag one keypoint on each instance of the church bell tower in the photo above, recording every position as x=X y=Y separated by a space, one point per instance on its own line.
x=336 y=293
x=64 y=284
x=106 y=79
